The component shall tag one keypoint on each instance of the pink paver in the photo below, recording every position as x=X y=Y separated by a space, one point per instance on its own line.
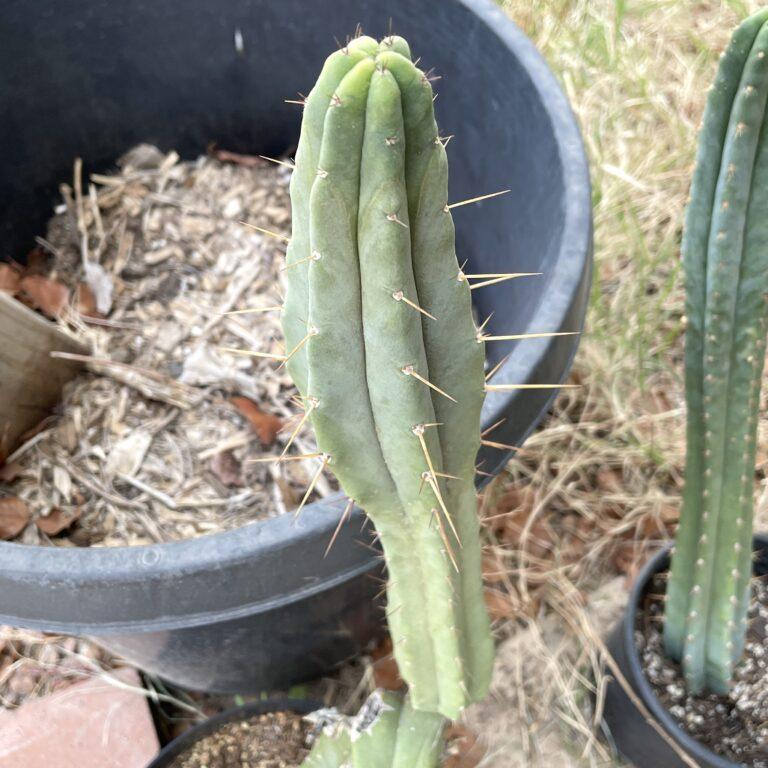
x=92 y=724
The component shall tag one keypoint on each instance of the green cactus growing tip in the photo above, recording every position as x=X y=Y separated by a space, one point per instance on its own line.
x=725 y=252
x=387 y=733
x=383 y=348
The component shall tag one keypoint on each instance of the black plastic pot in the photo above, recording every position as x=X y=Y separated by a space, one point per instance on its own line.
x=189 y=738
x=261 y=607
x=635 y=739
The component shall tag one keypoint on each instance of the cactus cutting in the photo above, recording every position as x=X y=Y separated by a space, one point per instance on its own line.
x=387 y=732
x=725 y=251
x=383 y=348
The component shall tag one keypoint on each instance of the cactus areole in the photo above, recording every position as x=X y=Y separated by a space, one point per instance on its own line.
x=383 y=348
x=725 y=252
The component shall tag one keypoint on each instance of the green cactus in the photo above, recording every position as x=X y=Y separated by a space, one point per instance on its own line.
x=383 y=348
x=332 y=748
x=387 y=733
x=725 y=252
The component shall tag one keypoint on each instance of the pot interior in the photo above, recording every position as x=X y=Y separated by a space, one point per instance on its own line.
x=91 y=79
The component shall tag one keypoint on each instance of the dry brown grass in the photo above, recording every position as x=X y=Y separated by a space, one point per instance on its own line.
x=598 y=486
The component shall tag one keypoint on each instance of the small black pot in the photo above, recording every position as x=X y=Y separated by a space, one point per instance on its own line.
x=183 y=743
x=635 y=739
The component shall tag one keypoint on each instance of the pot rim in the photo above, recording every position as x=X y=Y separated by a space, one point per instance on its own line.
x=660 y=562
x=183 y=742
x=243 y=562
x=60 y=586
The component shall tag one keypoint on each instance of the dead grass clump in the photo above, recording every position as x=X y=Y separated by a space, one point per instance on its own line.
x=597 y=488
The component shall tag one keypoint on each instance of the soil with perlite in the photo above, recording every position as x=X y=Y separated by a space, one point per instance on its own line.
x=271 y=740
x=733 y=726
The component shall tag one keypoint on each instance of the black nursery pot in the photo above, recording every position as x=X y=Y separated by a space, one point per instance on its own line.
x=633 y=736
x=188 y=739
x=261 y=607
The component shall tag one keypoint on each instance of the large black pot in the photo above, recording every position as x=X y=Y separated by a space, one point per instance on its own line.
x=634 y=737
x=261 y=607
x=184 y=743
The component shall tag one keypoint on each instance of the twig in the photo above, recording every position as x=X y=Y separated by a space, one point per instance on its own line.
x=163 y=498
x=93 y=485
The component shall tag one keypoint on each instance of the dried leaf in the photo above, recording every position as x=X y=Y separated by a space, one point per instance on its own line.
x=128 y=453
x=386 y=673
x=510 y=526
x=500 y=605
x=464 y=749
x=85 y=301
x=658 y=525
x=227 y=468
x=493 y=569
x=49 y=296
x=38 y=261
x=14 y=516
x=609 y=480
x=10 y=278
x=520 y=500
x=266 y=425
x=57 y=521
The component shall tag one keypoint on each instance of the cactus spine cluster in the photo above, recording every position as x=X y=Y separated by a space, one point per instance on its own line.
x=725 y=252
x=384 y=351
x=387 y=733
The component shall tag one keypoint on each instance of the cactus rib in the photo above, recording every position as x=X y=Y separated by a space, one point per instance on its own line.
x=396 y=385
x=725 y=251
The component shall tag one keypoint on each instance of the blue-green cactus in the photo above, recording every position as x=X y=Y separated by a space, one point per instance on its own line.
x=725 y=251
x=383 y=348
